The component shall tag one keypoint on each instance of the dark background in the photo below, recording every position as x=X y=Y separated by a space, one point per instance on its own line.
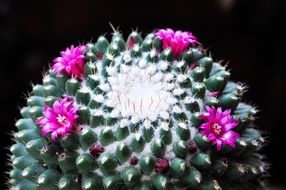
x=248 y=34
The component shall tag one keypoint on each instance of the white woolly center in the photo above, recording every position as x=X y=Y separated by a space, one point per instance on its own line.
x=140 y=93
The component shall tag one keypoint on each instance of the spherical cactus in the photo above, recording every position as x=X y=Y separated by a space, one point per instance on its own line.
x=153 y=113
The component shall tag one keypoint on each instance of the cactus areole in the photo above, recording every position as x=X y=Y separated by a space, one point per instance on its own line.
x=143 y=113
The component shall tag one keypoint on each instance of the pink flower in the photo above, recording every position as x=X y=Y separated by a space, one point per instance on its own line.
x=59 y=120
x=178 y=41
x=71 y=62
x=217 y=127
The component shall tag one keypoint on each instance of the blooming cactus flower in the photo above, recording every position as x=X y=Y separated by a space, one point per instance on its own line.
x=218 y=127
x=71 y=62
x=178 y=41
x=137 y=126
x=59 y=120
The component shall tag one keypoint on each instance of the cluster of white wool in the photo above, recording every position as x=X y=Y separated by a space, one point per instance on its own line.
x=140 y=92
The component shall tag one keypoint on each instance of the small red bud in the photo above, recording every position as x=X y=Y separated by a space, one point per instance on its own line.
x=192 y=147
x=134 y=160
x=96 y=149
x=161 y=165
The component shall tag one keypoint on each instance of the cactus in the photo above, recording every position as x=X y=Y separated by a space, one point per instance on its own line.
x=153 y=113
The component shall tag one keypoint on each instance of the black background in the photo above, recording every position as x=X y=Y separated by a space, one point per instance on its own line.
x=248 y=34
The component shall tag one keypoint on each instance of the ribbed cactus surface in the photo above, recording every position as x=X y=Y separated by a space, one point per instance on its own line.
x=153 y=113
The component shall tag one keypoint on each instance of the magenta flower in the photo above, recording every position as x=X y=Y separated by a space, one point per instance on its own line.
x=71 y=62
x=59 y=120
x=217 y=127
x=178 y=41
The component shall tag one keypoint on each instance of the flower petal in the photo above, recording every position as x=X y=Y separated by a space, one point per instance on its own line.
x=71 y=61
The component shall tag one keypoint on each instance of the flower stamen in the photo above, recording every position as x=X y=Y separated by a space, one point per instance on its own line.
x=216 y=129
x=62 y=119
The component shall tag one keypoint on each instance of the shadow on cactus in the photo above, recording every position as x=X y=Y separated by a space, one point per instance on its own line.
x=152 y=113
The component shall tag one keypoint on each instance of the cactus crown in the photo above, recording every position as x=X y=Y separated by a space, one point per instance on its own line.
x=152 y=113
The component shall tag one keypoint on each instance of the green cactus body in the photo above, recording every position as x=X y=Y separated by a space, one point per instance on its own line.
x=138 y=124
